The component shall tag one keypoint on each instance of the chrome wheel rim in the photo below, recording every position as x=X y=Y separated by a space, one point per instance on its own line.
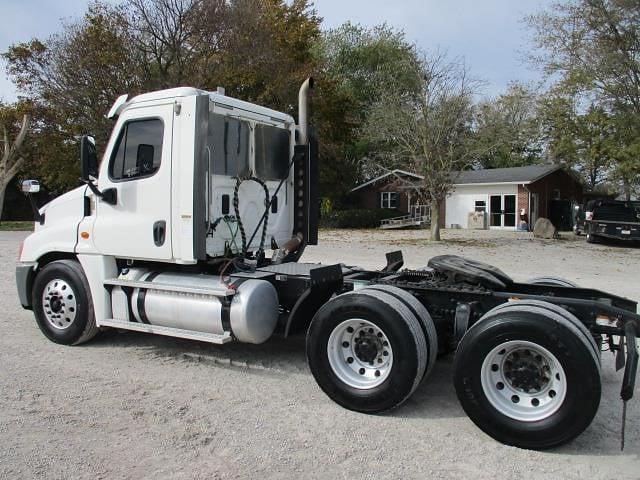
x=59 y=304
x=360 y=354
x=523 y=381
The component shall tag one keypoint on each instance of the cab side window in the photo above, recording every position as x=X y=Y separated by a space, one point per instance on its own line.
x=138 y=150
x=228 y=140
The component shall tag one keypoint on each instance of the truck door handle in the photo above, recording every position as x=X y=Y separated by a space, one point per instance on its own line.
x=159 y=232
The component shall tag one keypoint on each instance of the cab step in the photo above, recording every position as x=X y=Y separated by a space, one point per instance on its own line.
x=168 y=331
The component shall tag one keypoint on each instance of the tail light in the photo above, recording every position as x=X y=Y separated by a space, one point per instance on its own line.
x=20 y=250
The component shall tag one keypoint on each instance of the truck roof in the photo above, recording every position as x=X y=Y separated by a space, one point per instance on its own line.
x=214 y=97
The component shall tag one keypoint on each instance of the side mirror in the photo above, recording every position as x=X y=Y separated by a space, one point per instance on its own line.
x=88 y=158
x=30 y=186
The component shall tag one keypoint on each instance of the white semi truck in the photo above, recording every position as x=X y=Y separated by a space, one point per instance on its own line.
x=193 y=225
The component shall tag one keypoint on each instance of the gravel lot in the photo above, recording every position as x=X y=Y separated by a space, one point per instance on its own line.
x=130 y=405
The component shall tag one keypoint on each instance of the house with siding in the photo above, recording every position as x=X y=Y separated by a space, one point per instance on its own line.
x=501 y=193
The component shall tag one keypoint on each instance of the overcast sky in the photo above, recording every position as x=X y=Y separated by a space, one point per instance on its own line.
x=489 y=34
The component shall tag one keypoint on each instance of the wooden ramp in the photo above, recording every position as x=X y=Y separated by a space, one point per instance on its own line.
x=419 y=217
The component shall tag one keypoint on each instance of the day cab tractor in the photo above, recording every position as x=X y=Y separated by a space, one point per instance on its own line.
x=194 y=223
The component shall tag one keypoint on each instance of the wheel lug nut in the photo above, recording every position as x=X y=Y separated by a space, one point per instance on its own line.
x=350 y=360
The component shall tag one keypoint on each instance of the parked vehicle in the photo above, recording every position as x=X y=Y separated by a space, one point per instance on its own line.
x=612 y=219
x=170 y=235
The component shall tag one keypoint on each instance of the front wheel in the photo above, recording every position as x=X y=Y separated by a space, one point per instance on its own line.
x=527 y=377
x=62 y=303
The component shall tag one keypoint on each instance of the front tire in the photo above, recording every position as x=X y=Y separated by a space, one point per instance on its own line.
x=366 y=351
x=527 y=377
x=62 y=303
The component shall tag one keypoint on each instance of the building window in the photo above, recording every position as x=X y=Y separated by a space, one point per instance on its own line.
x=388 y=200
x=556 y=194
x=481 y=206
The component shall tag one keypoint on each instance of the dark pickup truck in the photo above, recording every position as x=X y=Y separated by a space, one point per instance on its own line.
x=612 y=219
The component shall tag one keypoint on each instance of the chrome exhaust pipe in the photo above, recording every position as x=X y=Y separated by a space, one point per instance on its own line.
x=303 y=111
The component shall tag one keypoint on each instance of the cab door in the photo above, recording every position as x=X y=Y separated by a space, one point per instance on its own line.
x=137 y=165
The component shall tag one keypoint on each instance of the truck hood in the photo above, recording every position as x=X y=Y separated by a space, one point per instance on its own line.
x=67 y=208
x=59 y=231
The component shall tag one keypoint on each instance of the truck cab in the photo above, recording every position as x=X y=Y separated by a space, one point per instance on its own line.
x=189 y=180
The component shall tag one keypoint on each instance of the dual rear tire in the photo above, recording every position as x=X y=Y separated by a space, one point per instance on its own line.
x=528 y=374
x=369 y=350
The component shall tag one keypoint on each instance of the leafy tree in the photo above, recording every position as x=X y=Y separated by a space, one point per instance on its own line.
x=354 y=67
x=585 y=141
x=557 y=115
x=508 y=129
x=626 y=154
x=428 y=131
x=595 y=144
x=267 y=51
x=590 y=47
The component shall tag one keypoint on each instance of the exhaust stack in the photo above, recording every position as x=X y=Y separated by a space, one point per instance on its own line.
x=303 y=111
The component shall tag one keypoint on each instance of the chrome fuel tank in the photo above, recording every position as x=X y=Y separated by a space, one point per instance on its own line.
x=251 y=313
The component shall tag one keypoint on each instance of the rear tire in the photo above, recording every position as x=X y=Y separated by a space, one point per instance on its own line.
x=525 y=305
x=62 y=303
x=527 y=377
x=380 y=372
x=423 y=316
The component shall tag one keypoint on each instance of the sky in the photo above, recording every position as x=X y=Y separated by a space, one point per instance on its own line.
x=488 y=34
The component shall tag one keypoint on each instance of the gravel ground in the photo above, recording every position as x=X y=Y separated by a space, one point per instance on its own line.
x=130 y=405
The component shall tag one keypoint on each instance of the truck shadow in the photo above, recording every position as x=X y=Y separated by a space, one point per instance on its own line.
x=435 y=398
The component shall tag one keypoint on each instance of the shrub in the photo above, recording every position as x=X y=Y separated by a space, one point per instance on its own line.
x=358 y=218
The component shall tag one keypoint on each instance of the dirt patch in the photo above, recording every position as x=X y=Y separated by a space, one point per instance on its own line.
x=131 y=405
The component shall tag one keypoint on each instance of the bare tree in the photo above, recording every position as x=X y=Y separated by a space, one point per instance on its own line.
x=176 y=38
x=429 y=130
x=12 y=159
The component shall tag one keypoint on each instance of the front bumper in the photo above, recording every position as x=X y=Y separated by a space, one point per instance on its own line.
x=24 y=279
